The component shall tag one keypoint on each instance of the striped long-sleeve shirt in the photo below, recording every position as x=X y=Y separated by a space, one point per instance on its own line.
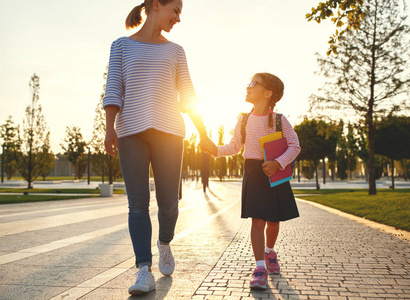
x=151 y=85
x=257 y=127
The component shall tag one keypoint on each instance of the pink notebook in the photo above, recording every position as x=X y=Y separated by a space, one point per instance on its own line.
x=272 y=150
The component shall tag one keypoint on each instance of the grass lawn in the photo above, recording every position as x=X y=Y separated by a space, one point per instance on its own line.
x=60 y=178
x=32 y=197
x=389 y=207
x=56 y=191
x=11 y=199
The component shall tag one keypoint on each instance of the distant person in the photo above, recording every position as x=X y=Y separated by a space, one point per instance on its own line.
x=205 y=171
x=148 y=86
x=267 y=206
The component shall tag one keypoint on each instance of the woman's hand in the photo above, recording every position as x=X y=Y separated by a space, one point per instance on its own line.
x=270 y=167
x=111 y=140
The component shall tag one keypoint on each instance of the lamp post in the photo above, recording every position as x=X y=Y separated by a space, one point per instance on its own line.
x=2 y=164
x=89 y=165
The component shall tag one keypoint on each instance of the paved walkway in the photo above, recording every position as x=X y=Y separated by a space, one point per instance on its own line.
x=80 y=249
x=323 y=256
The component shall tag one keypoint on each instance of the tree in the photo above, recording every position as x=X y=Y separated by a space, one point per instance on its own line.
x=103 y=163
x=317 y=140
x=392 y=139
x=46 y=157
x=350 y=11
x=9 y=134
x=368 y=77
x=74 y=150
x=34 y=129
x=352 y=149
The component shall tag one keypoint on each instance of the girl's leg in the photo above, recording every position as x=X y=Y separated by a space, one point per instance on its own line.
x=258 y=238
x=272 y=231
x=134 y=156
x=166 y=161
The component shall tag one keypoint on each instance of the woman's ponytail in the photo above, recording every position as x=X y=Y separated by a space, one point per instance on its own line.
x=134 y=17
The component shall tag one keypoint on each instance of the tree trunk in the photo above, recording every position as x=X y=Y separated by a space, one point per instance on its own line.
x=324 y=171
x=369 y=116
x=298 y=170
x=392 y=174
x=317 y=177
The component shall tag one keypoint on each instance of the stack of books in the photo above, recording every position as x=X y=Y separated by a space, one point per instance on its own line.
x=273 y=146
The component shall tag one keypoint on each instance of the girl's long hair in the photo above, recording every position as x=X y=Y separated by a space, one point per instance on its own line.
x=134 y=18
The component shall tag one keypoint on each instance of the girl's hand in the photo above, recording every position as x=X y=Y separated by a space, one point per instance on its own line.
x=111 y=139
x=209 y=146
x=270 y=167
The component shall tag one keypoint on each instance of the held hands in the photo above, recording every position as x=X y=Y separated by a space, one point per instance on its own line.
x=209 y=146
x=111 y=140
x=270 y=167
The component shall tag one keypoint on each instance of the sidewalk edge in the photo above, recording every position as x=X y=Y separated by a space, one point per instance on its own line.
x=401 y=234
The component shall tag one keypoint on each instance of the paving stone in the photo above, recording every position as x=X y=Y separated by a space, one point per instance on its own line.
x=317 y=263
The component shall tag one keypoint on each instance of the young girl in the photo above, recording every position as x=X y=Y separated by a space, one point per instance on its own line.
x=148 y=86
x=266 y=205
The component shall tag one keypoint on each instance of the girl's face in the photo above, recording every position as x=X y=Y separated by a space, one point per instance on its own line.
x=168 y=15
x=256 y=93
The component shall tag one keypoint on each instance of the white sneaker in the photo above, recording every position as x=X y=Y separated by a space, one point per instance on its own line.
x=166 y=260
x=145 y=282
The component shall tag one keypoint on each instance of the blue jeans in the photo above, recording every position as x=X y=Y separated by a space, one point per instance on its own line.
x=164 y=152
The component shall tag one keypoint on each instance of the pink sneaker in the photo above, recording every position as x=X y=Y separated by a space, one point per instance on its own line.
x=271 y=262
x=259 y=279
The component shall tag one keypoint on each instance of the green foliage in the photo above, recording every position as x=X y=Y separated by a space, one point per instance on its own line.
x=102 y=163
x=317 y=139
x=29 y=159
x=349 y=16
x=368 y=78
x=9 y=133
x=47 y=157
x=74 y=150
x=392 y=137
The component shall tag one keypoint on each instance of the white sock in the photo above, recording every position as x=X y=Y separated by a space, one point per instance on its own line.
x=268 y=250
x=260 y=263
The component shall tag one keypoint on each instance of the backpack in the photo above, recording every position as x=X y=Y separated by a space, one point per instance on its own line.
x=278 y=128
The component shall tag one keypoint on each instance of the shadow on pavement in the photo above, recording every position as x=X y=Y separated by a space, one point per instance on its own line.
x=283 y=288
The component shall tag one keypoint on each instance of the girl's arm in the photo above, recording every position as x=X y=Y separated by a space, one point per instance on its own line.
x=235 y=145
x=293 y=144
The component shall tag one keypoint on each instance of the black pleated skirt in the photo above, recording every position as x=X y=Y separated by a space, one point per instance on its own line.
x=259 y=200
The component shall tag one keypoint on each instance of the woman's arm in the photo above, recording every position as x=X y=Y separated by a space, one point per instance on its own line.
x=111 y=138
x=206 y=143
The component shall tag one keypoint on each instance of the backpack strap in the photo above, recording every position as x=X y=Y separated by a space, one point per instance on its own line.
x=245 y=121
x=278 y=122
x=243 y=126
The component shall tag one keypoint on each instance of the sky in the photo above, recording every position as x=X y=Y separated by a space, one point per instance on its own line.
x=67 y=43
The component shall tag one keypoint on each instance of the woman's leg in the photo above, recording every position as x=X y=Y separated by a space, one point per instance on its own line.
x=134 y=156
x=166 y=160
x=258 y=238
x=272 y=231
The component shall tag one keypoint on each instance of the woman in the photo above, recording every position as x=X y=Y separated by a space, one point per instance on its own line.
x=148 y=86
